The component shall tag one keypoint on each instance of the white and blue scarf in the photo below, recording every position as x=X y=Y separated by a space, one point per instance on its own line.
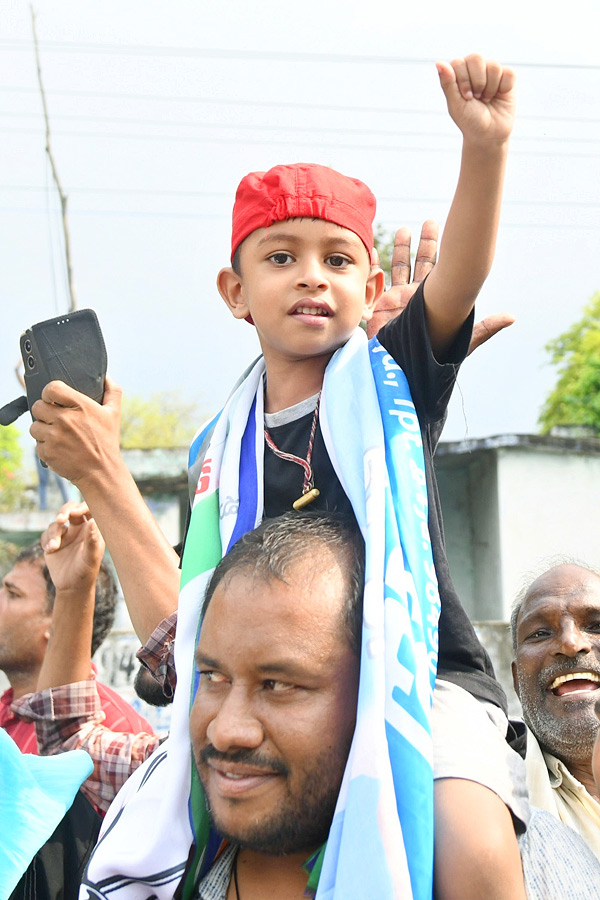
x=381 y=838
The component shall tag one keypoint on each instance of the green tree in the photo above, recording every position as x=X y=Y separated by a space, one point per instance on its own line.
x=12 y=486
x=575 y=399
x=162 y=421
x=384 y=244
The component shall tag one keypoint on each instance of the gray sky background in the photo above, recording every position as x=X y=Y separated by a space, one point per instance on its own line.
x=158 y=109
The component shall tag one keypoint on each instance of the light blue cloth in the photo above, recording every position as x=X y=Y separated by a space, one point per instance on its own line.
x=557 y=862
x=35 y=794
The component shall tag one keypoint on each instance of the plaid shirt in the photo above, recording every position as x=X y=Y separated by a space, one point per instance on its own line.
x=70 y=717
x=157 y=654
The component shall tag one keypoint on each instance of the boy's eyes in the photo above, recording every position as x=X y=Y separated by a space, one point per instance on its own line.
x=281 y=259
x=336 y=260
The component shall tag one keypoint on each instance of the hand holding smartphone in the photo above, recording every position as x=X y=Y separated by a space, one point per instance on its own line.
x=68 y=348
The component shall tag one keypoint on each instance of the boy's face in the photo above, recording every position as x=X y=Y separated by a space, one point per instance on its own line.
x=307 y=284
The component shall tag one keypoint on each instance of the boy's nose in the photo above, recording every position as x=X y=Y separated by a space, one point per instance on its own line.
x=312 y=275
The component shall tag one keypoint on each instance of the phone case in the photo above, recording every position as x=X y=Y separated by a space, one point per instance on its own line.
x=68 y=348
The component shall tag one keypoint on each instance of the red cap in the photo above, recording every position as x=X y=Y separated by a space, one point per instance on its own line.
x=302 y=189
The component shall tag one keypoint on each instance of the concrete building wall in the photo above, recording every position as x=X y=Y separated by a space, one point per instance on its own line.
x=469 y=494
x=548 y=505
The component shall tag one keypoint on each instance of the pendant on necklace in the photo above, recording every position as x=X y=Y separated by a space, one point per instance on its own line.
x=306 y=498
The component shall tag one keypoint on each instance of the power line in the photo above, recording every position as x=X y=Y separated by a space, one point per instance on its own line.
x=144 y=214
x=253 y=126
x=315 y=145
x=145 y=192
x=255 y=55
x=272 y=104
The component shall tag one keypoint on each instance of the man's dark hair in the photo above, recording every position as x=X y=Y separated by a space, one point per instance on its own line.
x=106 y=592
x=271 y=550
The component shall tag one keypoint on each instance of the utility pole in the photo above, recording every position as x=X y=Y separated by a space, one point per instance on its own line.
x=63 y=197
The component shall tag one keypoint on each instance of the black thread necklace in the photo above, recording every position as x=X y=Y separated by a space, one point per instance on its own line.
x=235 y=878
x=309 y=491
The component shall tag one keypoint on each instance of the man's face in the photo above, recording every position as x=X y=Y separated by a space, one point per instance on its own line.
x=24 y=619
x=274 y=715
x=557 y=669
x=307 y=284
x=596 y=751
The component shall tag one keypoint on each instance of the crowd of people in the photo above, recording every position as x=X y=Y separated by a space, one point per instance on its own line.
x=337 y=729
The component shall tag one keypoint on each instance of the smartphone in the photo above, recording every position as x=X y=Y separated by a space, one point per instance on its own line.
x=68 y=348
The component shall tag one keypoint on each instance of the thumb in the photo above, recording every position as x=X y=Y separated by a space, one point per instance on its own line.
x=113 y=394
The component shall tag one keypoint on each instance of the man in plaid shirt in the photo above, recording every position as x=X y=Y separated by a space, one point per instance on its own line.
x=55 y=610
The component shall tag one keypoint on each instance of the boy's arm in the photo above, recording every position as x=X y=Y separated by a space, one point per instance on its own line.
x=79 y=439
x=394 y=300
x=480 y=98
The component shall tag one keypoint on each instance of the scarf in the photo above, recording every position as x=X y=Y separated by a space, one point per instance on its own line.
x=381 y=838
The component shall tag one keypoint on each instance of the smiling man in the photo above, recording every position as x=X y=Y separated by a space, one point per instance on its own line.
x=274 y=714
x=555 y=626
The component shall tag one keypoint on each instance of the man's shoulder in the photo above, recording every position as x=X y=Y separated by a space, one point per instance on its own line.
x=120 y=715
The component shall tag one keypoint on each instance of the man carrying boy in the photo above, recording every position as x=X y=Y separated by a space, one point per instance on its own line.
x=302 y=273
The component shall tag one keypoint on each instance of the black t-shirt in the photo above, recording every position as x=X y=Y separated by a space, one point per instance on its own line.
x=462 y=658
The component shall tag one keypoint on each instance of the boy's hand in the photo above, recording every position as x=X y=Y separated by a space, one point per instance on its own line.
x=480 y=97
x=73 y=548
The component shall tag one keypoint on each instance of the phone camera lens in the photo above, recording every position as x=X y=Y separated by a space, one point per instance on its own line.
x=27 y=346
x=31 y=362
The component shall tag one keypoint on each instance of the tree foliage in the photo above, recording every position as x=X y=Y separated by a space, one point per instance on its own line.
x=162 y=421
x=11 y=460
x=384 y=244
x=575 y=399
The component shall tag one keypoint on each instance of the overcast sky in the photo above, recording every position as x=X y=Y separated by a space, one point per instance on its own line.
x=158 y=109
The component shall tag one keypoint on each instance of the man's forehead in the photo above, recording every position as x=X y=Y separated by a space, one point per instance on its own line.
x=559 y=584
x=308 y=600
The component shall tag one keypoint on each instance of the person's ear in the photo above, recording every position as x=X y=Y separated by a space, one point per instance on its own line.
x=374 y=291
x=513 y=667
x=231 y=289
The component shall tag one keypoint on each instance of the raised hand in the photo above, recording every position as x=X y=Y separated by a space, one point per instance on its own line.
x=73 y=549
x=75 y=435
x=480 y=97
x=395 y=299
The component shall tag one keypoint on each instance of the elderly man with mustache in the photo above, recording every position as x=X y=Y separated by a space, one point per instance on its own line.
x=555 y=627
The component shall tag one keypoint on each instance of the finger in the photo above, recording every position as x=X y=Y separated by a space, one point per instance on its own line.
x=401 y=257
x=476 y=73
x=426 y=251
x=43 y=412
x=374 y=256
x=448 y=79
x=51 y=539
x=113 y=393
x=62 y=395
x=488 y=327
x=507 y=81
x=492 y=81
x=72 y=507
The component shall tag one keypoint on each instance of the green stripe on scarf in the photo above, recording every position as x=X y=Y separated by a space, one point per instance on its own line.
x=203 y=535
